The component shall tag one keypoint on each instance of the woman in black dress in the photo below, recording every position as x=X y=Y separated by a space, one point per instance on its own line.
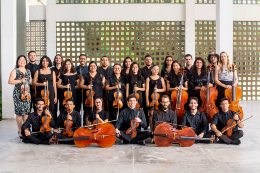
x=167 y=68
x=135 y=76
x=99 y=112
x=39 y=81
x=126 y=66
x=68 y=73
x=98 y=84
x=150 y=88
x=112 y=86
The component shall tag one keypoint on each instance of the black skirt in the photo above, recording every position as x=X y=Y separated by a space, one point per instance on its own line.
x=221 y=92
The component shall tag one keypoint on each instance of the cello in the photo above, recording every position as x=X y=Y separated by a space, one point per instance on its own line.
x=208 y=98
x=68 y=124
x=179 y=98
x=25 y=96
x=67 y=94
x=90 y=94
x=233 y=95
x=132 y=130
x=137 y=96
x=155 y=96
x=117 y=103
x=45 y=94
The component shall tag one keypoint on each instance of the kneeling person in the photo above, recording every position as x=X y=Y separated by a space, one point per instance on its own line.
x=34 y=119
x=124 y=122
x=100 y=114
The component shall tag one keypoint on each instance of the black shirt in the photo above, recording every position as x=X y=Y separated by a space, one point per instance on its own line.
x=111 y=82
x=197 y=121
x=33 y=68
x=139 y=84
x=125 y=117
x=187 y=72
x=96 y=82
x=76 y=119
x=220 y=119
x=199 y=81
x=34 y=119
x=84 y=69
x=145 y=72
x=103 y=115
x=175 y=82
x=106 y=73
x=167 y=116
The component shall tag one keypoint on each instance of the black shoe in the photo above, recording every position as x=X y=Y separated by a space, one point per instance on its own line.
x=236 y=142
x=21 y=137
x=26 y=141
x=141 y=142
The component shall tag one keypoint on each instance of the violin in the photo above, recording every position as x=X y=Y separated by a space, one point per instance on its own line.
x=90 y=94
x=155 y=96
x=233 y=95
x=68 y=124
x=137 y=96
x=26 y=96
x=57 y=73
x=117 y=103
x=67 y=94
x=208 y=98
x=45 y=123
x=165 y=135
x=132 y=130
x=45 y=94
x=179 y=98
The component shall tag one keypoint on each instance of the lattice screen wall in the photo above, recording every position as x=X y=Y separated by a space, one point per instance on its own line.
x=118 y=40
x=117 y=1
x=247 y=58
x=205 y=38
x=36 y=38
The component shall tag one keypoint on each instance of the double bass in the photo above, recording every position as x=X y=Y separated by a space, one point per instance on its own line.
x=179 y=98
x=137 y=96
x=45 y=94
x=132 y=130
x=90 y=94
x=233 y=95
x=68 y=124
x=208 y=98
x=155 y=98
x=25 y=96
x=67 y=94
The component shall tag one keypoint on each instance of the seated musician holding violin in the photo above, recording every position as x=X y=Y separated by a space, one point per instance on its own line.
x=67 y=121
x=196 y=119
x=99 y=113
x=128 y=120
x=220 y=120
x=35 y=119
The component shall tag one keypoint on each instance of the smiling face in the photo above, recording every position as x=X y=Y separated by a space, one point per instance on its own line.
x=131 y=103
x=92 y=67
x=128 y=62
x=68 y=66
x=213 y=59
x=98 y=104
x=40 y=105
x=45 y=62
x=176 y=67
x=32 y=57
x=117 y=69
x=69 y=105
x=82 y=60
x=193 y=104
x=135 y=68
x=223 y=57
x=199 y=64
x=155 y=70
x=148 y=61
x=224 y=105
x=21 y=62
x=58 y=59
x=165 y=103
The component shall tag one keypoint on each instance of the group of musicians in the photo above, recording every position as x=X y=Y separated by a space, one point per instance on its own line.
x=105 y=84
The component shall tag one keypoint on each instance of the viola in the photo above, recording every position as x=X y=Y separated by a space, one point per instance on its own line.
x=117 y=103
x=137 y=96
x=233 y=95
x=25 y=96
x=67 y=94
x=45 y=123
x=165 y=135
x=179 y=98
x=208 y=98
x=68 y=124
x=90 y=94
x=132 y=130
x=45 y=94
x=155 y=96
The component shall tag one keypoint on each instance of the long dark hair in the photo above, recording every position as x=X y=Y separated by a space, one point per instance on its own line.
x=213 y=54
x=130 y=75
x=160 y=107
x=48 y=59
x=124 y=66
x=114 y=66
x=54 y=63
x=164 y=63
x=194 y=70
x=101 y=101
x=17 y=66
x=63 y=67
x=172 y=72
x=152 y=68
x=92 y=62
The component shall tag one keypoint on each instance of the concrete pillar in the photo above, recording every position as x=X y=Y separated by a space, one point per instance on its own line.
x=21 y=27
x=190 y=27
x=224 y=27
x=51 y=28
x=8 y=54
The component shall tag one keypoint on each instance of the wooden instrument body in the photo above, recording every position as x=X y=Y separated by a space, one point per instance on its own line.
x=230 y=130
x=45 y=94
x=67 y=94
x=45 y=123
x=117 y=102
x=132 y=130
x=25 y=96
x=103 y=135
x=173 y=135
x=155 y=101
x=178 y=108
x=67 y=130
x=137 y=96
x=90 y=101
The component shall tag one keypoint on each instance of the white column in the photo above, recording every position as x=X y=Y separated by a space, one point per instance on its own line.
x=8 y=54
x=51 y=28
x=224 y=27
x=190 y=27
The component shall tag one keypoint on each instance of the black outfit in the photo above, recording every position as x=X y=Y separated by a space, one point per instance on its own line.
x=124 y=122
x=102 y=114
x=176 y=81
x=34 y=120
x=187 y=72
x=49 y=78
x=106 y=73
x=152 y=85
x=112 y=82
x=166 y=116
x=220 y=120
x=64 y=79
x=33 y=68
x=139 y=85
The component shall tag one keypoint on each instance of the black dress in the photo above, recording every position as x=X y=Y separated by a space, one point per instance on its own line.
x=176 y=82
x=49 y=78
x=57 y=71
x=139 y=85
x=152 y=85
x=72 y=78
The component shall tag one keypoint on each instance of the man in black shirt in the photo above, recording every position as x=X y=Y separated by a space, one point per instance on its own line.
x=219 y=121
x=33 y=67
x=196 y=119
x=124 y=122
x=189 y=62
x=34 y=120
x=146 y=72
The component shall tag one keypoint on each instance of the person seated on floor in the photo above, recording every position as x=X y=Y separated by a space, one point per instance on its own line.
x=34 y=119
x=99 y=113
x=124 y=122
x=197 y=120
x=219 y=121
x=68 y=114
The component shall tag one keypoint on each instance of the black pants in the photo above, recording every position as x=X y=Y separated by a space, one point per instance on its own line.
x=139 y=137
x=60 y=136
x=236 y=135
x=206 y=135
x=79 y=100
x=38 y=138
x=145 y=109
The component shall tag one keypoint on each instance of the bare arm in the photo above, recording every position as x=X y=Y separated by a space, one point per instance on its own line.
x=127 y=90
x=163 y=86
x=147 y=91
x=12 y=78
